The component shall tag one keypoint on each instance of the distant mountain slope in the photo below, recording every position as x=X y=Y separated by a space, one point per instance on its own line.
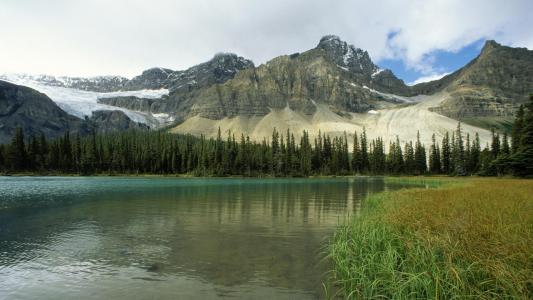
x=329 y=86
x=220 y=68
x=35 y=113
x=334 y=73
x=488 y=90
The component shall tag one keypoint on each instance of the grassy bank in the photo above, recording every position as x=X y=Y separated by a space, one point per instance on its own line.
x=472 y=239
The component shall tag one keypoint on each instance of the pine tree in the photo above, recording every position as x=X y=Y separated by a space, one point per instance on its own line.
x=305 y=156
x=356 y=155
x=364 y=153
x=276 y=153
x=523 y=158
x=2 y=159
x=395 y=157
x=505 y=149
x=467 y=156
x=219 y=150
x=410 y=163
x=17 y=149
x=517 y=129
x=495 y=146
x=420 y=156
x=446 y=162
x=434 y=157
x=459 y=153
x=475 y=153
x=43 y=151
x=33 y=153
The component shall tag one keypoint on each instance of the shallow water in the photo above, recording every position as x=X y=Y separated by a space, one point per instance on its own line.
x=159 y=238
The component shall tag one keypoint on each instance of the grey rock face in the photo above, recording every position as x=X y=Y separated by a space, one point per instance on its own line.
x=34 y=112
x=494 y=84
x=129 y=102
x=386 y=81
x=221 y=68
x=113 y=120
x=151 y=79
x=354 y=59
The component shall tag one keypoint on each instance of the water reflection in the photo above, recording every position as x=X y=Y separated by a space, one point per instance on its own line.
x=138 y=238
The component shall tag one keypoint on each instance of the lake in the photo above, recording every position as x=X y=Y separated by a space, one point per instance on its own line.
x=171 y=238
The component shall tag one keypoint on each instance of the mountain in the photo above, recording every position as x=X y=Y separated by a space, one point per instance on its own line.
x=334 y=74
x=36 y=113
x=332 y=88
x=113 y=120
x=488 y=90
x=220 y=68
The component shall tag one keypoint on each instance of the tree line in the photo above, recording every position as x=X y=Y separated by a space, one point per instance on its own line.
x=158 y=152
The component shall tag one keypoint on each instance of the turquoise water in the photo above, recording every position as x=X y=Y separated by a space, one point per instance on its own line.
x=169 y=238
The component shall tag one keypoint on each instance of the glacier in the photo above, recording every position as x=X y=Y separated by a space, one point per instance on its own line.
x=82 y=103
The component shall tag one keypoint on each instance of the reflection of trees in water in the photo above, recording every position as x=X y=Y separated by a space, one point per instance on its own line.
x=227 y=234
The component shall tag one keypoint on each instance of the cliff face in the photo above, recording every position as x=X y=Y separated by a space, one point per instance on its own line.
x=34 y=112
x=129 y=102
x=333 y=73
x=334 y=76
x=113 y=120
x=492 y=85
x=219 y=69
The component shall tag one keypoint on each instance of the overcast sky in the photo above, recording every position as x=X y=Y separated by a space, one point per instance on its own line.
x=105 y=37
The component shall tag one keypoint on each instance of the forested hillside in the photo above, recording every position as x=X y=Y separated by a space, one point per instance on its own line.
x=158 y=152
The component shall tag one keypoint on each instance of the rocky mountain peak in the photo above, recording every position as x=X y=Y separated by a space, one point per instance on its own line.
x=490 y=45
x=229 y=62
x=154 y=78
x=347 y=56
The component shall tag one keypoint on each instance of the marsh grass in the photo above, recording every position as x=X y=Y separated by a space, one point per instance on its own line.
x=463 y=240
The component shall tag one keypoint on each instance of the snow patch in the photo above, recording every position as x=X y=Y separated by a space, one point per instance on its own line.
x=344 y=68
x=391 y=96
x=377 y=72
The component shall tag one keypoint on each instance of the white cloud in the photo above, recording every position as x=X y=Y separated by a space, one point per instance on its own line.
x=428 y=78
x=76 y=37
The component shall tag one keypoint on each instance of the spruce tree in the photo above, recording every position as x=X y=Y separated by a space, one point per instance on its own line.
x=446 y=161
x=33 y=153
x=475 y=154
x=523 y=158
x=420 y=156
x=17 y=150
x=505 y=149
x=305 y=154
x=410 y=163
x=356 y=155
x=495 y=145
x=467 y=156
x=434 y=157
x=364 y=153
x=517 y=129
x=459 y=153
x=2 y=159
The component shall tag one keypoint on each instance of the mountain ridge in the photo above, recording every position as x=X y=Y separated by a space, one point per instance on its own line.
x=333 y=79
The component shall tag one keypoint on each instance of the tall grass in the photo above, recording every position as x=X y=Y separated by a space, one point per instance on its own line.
x=472 y=240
